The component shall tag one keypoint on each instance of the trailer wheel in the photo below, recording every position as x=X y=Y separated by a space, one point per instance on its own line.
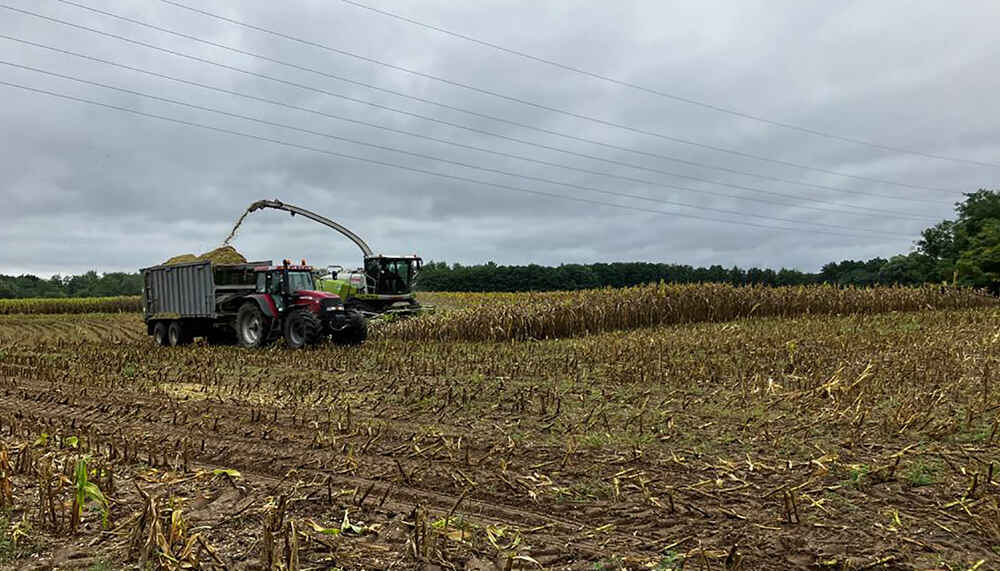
x=160 y=334
x=252 y=326
x=176 y=334
x=302 y=328
x=355 y=333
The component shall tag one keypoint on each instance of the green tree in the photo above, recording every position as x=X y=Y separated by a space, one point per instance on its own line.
x=979 y=263
x=938 y=243
x=912 y=269
x=949 y=241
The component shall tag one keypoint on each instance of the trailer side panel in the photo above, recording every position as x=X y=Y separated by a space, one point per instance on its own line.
x=181 y=291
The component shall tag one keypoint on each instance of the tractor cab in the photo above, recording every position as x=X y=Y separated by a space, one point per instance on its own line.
x=290 y=286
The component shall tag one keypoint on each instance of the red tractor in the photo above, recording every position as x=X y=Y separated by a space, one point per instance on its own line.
x=251 y=304
x=287 y=303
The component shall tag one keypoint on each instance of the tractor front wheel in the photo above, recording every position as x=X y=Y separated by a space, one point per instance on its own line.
x=302 y=328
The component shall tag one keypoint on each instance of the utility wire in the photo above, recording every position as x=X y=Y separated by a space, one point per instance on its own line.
x=487 y=92
x=433 y=157
x=459 y=125
x=415 y=169
x=631 y=85
x=521 y=101
x=860 y=209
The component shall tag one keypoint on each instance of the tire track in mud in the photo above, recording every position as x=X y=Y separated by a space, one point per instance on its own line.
x=159 y=430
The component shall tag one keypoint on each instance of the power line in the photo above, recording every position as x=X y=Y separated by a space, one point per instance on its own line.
x=861 y=210
x=638 y=87
x=432 y=157
x=415 y=169
x=563 y=111
x=480 y=90
x=459 y=125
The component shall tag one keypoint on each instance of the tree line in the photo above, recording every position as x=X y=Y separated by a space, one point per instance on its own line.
x=964 y=251
x=89 y=284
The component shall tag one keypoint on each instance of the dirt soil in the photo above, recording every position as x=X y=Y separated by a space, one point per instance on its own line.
x=717 y=446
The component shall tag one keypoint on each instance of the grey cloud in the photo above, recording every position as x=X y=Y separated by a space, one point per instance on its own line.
x=86 y=188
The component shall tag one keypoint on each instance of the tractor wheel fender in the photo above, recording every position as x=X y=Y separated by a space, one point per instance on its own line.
x=264 y=304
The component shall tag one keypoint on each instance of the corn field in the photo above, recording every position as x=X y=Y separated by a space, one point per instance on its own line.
x=853 y=429
x=553 y=315
x=76 y=305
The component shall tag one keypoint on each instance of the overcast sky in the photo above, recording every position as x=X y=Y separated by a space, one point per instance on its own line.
x=85 y=187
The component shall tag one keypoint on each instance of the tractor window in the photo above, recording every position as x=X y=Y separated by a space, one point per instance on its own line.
x=274 y=288
x=298 y=281
x=261 y=282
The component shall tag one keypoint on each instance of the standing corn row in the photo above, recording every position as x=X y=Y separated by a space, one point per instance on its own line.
x=546 y=315
x=121 y=304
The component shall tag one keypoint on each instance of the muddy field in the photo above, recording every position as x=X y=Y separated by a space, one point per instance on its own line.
x=821 y=442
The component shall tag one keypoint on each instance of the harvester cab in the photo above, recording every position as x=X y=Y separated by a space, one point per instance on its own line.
x=392 y=275
x=383 y=286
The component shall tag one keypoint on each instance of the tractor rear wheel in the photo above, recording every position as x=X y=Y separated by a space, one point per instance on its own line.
x=356 y=331
x=252 y=326
x=160 y=334
x=302 y=328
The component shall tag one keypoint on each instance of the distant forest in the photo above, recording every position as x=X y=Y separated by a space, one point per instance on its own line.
x=439 y=276
x=89 y=284
x=964 y=251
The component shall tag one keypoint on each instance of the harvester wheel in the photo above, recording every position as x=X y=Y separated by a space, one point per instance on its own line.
x=302 y=328
x=355 y=333
x=160 y=334
x=252 y=326
x=177 y=335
